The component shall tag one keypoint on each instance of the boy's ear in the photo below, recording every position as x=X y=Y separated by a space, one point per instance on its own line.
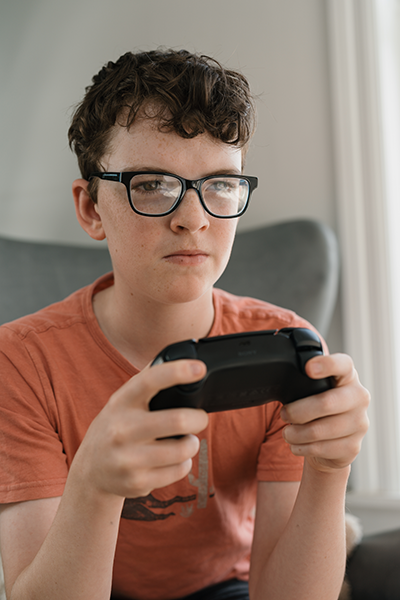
x=86 y=210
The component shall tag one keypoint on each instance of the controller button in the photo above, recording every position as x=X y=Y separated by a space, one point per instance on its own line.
x=181 y=350
x=305 y=339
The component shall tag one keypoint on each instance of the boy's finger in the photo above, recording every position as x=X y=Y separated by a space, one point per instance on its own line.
x=141 y=388
x=339 y=400
x=173 y=422
x=339 y=366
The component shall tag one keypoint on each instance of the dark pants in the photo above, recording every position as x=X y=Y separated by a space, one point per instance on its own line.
x=227 y=590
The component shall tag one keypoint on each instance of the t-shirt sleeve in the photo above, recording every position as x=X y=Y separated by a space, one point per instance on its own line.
x=32 y=462
x=276 y=462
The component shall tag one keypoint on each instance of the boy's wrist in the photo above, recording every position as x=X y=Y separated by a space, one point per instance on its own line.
x=328 y=477
x=321 y=466
x=81 y=485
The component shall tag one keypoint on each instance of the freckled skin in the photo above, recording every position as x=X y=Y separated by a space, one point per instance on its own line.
x=142 y=242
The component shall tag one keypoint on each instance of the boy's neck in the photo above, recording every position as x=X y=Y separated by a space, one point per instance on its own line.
x=140 y=329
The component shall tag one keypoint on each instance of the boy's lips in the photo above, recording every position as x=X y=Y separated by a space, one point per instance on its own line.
x=194 y=256
x=192 y=252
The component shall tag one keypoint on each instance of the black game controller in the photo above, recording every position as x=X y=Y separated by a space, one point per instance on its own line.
x=245 y=369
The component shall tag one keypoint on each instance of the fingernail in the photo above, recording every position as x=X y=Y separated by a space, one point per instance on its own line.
x=197 y=368
x=316 y=368
x=284 y=414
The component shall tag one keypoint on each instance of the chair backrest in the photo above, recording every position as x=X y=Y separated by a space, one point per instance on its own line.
x=33 y=275
x=293 y=264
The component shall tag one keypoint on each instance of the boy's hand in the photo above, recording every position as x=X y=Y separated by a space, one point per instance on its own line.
x=128 y=451
x=328 y=429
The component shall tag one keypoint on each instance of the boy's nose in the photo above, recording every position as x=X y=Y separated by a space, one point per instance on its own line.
x=190 y=214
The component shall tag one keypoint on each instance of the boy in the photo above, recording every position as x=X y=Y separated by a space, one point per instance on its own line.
x=101 y=496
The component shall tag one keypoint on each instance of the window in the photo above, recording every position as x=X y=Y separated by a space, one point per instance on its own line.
x=365 y=74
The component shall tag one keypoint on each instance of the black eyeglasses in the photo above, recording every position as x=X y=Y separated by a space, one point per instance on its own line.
x=153 y=194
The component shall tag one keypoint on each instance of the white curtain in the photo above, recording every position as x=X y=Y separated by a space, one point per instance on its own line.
x=365 y=69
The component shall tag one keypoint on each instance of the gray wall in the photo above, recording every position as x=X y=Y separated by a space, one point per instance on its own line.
x=50 y=49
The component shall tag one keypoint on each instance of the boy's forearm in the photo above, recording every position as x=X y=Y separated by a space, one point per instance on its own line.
x=76 y=558
x=308 y=562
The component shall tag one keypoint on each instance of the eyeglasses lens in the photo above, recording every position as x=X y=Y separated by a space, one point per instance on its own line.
x=225 y=196
x=154 y=194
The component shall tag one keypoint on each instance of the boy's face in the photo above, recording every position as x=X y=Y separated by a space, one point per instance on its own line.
x=176 y=258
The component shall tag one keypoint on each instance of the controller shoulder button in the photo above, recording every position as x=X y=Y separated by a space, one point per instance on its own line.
x=181 y=350
x=306 y=339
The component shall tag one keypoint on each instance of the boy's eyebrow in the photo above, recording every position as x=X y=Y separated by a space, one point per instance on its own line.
x=145 y=169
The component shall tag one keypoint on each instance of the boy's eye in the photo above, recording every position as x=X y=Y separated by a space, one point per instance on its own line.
x=142 y=184
x=222 y=186
x=219 y=185
x=150 y=185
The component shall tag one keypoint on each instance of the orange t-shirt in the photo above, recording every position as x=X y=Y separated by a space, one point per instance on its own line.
x=57 y=371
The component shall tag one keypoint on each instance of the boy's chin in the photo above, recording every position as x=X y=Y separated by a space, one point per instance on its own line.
x=187 y=294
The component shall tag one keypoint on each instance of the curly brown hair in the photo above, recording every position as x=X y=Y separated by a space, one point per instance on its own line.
x=188 y=93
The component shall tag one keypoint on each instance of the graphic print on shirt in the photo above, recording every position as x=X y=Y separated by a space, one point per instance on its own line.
x=202 y=480
x=143 y=508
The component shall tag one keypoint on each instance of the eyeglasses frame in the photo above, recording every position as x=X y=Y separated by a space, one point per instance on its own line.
x=125 y=178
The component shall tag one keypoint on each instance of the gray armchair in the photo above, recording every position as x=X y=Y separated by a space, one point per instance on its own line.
x=373 y=570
